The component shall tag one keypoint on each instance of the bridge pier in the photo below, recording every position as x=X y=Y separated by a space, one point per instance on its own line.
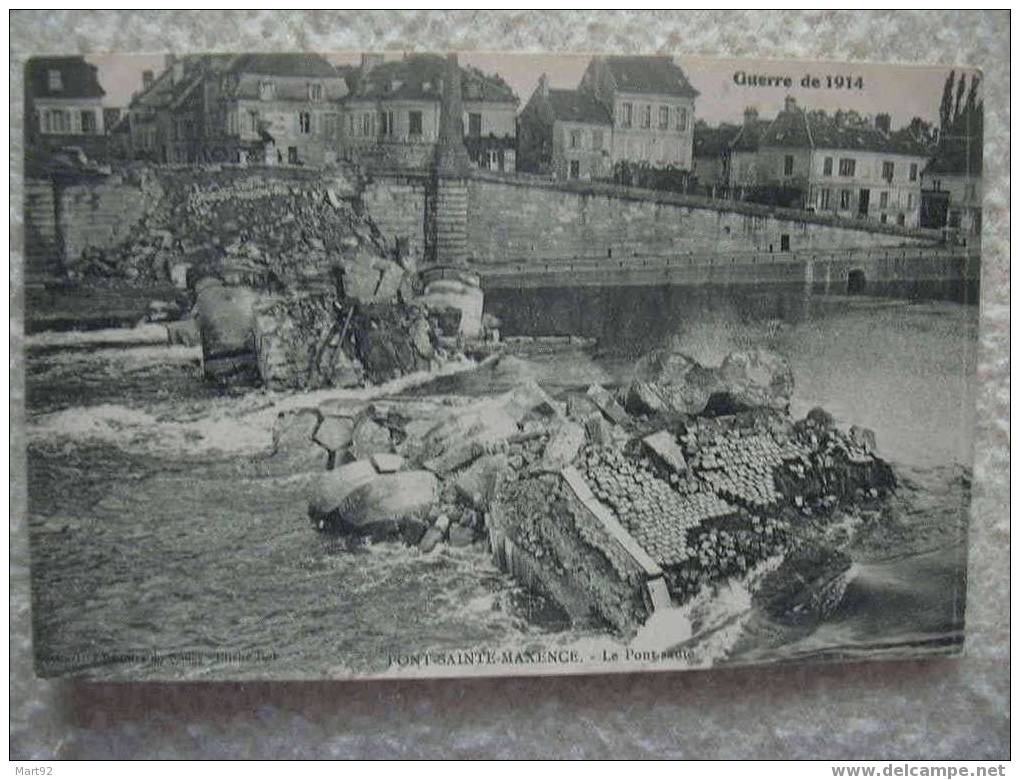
x=447 y=279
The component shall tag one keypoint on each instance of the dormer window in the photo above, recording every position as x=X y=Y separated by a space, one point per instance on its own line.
x=315 y=92
x=55 y=80
x=267 y=90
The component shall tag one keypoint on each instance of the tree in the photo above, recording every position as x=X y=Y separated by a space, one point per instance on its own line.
x=960 y=87
x=946 y=107
x=922 y=132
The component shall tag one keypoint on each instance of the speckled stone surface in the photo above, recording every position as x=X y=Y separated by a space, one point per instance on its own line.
x=932 y=709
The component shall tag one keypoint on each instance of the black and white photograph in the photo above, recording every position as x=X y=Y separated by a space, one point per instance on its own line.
x=353 y=365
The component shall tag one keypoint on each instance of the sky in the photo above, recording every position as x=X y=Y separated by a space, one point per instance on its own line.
x=903 y=91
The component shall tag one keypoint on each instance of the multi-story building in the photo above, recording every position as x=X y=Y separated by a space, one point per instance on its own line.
x=64 y=105
x=651 y=103
x=837 y=164
x=566 y=133
x=391 y=117
x=265 y=108
x=280 y=109
x=951 y=190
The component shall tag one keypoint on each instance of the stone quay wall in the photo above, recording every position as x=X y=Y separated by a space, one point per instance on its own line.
x=519 y=220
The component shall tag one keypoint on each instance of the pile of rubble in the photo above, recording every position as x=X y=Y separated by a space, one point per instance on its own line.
x=545 y=482
x=276 y=232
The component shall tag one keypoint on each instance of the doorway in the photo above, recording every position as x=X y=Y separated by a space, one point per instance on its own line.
x=863 y=201
x=856 y=282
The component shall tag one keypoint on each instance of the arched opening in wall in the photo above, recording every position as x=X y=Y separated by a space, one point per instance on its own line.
x=856 y=282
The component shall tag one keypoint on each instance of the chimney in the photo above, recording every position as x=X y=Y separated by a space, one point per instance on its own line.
x=790 y=104
x=369 y=61
x=543 y=86
x=883 y=122
x=147 y=79
x=750 y=116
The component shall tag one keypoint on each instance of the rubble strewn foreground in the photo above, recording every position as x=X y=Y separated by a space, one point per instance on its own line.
x=602 y=509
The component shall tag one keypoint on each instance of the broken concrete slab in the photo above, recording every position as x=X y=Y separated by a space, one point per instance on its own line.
x=387 y=499
x=369 y=438
x=478 y=484
x=335 y=433
x=332 y=488
x=387 y=463
x=608 y=405
x=663 y=446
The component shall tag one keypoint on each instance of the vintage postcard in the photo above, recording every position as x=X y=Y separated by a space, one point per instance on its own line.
x=353 y=365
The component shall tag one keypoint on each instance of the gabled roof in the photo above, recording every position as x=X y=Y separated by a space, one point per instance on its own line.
x=78 y=78
x=796 y=128
x=298 y=64
x=748 y=136
x=419 y=77
x=649 y=75
x=714 y=141
x=571 y=105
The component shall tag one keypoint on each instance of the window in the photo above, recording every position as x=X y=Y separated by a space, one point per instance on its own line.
x=54 y=80
x=646 y=116
x=913 y=171
x=900 y=219
x=315 y=92
x=88 y=122
x=910 y=200
x=884 y=218
x=367 y=125
x=596 y=139
x=492 y=157
x=253 y=121
x=232 y=123
x=844 y=199
x=827 y=167
x=628 y=115
x=304 y=123
x=887 y=170
x=575 y=169
x=56 y=121
x=414 y=122
x=883 y=200
x=847 y=166
x=663 y=117
x=784 y=242
x=681 y=120
x=330 y=124
x=788 y=165
x=474 y=125
x=267 y=90
x=575 y=139
x=385 y=126
x=292 y=155
x=825 y=200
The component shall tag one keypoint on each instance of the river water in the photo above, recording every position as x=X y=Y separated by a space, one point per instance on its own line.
x=157 y=555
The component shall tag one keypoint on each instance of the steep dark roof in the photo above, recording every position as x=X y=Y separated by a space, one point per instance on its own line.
x=797 y=128
x=651 y=75
x=78 y=78
x=295 y=64
x=749 y=135
x=419 y=77
x=714 y=141
x=571 y=105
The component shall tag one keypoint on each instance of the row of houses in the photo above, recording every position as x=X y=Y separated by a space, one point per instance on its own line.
x=275 y=109
x=841 y=164
x=300 y=109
